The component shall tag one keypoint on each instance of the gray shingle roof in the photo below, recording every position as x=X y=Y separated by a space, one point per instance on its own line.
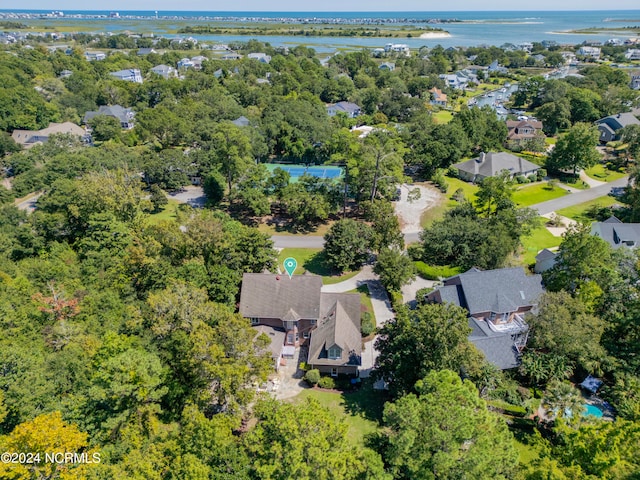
x=498 y=348
x=616 y=233
x=121 y=113
x=505 y=289
x=494 y=162
x=339 y=325
x=618 y=121
x=545 y=254
x=273 y=296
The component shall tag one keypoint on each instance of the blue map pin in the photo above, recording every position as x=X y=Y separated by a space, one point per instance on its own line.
x=290 y=265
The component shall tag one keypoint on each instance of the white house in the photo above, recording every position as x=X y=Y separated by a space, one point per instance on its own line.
x=130 y=75
x=261 y=57
x=591 y=52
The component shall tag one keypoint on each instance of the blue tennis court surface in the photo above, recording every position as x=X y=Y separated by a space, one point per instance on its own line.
x=296 y=171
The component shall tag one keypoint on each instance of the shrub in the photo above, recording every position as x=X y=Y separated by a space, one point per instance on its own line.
x=313 y=377
x=452 y=172
x=430 y=272
x=396 y=299
x=521 y=179
x=367 y=325
x=421 y=295
x=327 y=382
x=458 y=195
x=414 y=251
x=532 y=178
x=542 y=172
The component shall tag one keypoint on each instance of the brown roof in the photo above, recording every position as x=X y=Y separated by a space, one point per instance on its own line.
x=339 y=326
x=24 y=137
x=267 y=295
x=276 y=335
x=438 y=95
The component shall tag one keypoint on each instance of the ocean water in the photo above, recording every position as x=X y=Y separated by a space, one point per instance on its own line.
x=475 y=28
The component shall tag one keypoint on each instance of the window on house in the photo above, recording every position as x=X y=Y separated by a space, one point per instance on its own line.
x=334 y=372
x=290 y=339
x=334 y=353
x=305 y=335
x=255 y=321
x=313 y=322
x=297 y=336
x=492 y=316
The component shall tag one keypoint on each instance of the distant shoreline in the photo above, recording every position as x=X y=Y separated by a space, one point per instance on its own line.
x=435 y=35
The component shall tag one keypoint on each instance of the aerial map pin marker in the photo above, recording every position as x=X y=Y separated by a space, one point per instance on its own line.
x=290 y=266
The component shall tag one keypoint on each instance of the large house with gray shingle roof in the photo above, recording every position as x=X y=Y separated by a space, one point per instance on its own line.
x=327 y=324
x=492 y=163
x=610 y=126
x=497 y=302
x=616 y=233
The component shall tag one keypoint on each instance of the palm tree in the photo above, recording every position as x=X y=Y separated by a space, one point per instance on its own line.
x=562 y=401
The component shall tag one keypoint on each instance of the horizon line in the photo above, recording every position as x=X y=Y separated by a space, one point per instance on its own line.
x=315 y=11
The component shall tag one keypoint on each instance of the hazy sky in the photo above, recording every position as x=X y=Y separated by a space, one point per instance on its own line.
x=325 y=5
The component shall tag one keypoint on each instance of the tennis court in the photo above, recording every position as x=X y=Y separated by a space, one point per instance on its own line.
x=296 y=171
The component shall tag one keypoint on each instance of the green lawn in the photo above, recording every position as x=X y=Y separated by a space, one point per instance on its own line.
x=540 y=192
x=312 y=260
x=361 y=410
x=167 y=213
x=539 y=239
x=437 y=212
x=603 y=174
x=550 y=140
x=579 y=212
x=273 y=229
x=443 y=116
x=527 y=454
x=365 y=298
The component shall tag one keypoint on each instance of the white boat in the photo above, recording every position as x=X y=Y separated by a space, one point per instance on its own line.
x=490 y=94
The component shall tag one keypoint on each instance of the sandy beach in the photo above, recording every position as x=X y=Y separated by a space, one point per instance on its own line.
x=435 y=35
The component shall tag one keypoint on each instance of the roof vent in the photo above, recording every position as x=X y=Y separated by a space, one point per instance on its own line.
x=522 y=294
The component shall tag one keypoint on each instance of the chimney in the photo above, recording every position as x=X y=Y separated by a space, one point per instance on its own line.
x=480 y=158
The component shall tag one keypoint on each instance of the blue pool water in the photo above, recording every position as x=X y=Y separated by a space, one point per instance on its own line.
x=297 y=171
x=592 y=410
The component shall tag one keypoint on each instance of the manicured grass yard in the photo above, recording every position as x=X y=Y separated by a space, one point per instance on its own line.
x=168 y=212
x=361 y=409
x=540 y=238
x=603 y=174
x=443 y=116
x=578 y=212
x=312 y=260
x=540 y=192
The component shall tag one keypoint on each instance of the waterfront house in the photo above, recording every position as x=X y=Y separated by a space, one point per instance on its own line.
x=325 y=324
x=437 y=97
x=497 y=302
x=492 y=163
x=520 y=131
x=146 y=51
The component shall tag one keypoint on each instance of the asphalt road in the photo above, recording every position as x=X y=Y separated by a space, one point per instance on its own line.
x=311 y=241
x=579 y=197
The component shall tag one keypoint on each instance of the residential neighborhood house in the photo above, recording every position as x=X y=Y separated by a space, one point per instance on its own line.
x=492 y=163
x=497 y=302
x=124 y=115
x=327 y=325
x=437 y=97
x=591 y=52
x=610 y=125
x=261 y=57
x=616 y=233
x=164 y=71
x=350 y=109
x=521 y=131
x=130 y=75
x=29 y=138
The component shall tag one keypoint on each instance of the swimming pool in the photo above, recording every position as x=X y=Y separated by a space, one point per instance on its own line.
x=593 y=411
x=296 y=171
